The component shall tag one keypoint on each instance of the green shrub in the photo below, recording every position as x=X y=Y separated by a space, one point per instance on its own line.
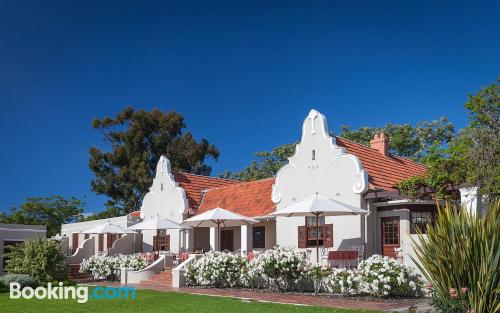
x=23 y=279
x=41 y=259
x=463 y=251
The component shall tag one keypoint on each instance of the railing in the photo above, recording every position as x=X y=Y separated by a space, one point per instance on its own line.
x=129 y=276
x=178 y=277
x=123 y=245
x=85 y=250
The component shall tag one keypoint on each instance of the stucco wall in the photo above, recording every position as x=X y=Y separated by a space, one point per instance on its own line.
x=319 y=166
x=166 y=199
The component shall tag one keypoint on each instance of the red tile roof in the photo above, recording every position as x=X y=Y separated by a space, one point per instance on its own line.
x=194 y=185
x=247 y=198
x=135 y=214
x=383 y=171
x=253 y=199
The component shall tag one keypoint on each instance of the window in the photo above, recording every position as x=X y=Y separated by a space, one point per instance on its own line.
x=161 y=187
x=161 y=242
x=308 y=233
x=259 y=237
x=314 y=155
x=419 y=221
x=312 y=232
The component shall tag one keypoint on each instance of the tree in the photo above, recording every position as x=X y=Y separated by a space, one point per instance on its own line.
x=472 y=157
x=406 y=140
x=479 y=143
x=41 y=259
x=267 y=164
x=50 y=211
x=137 y=140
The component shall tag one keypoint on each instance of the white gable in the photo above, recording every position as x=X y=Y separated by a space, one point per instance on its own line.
x=165 y=197
x=321 y=167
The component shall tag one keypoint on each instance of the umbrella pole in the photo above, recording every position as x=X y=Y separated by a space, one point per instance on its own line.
x=218 y=235
x=317 y=237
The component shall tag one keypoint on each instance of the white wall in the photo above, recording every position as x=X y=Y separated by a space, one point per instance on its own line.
x=166 y=199
x=332 y=173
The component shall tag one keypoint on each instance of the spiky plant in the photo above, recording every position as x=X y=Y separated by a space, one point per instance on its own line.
x=463 y=250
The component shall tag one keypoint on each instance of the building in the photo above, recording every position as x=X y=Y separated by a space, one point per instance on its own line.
x=332 y=167
x=11 y=234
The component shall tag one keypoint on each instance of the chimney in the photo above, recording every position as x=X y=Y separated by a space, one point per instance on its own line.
x=381 y=143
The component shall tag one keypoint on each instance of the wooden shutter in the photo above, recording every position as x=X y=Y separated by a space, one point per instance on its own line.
x=155 y=243
x=101 y=243
x=328 y=235
x=74 y=244
x=109 y=239
x=302 y=235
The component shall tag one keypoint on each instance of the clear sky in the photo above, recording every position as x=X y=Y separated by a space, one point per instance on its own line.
x=243 y=73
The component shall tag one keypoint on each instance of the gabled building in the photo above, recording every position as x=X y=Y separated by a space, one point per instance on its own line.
x=333 y=167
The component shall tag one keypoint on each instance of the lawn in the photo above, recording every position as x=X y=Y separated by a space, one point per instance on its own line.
x=155 y=301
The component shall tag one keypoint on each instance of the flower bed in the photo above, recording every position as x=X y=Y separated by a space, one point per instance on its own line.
x=108 y=267
x=288 y=270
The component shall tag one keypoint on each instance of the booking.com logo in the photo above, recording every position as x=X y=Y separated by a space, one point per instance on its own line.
x=61 y=292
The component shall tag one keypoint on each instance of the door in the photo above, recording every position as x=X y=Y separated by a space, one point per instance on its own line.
x=226 y=240
x=390 y=236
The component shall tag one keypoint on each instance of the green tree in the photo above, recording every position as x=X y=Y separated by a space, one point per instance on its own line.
x=137 y=140
x=472 y=157
x=406 y=140
x=479 y=142
x=267 y=164
x=42 y=259
x=49 y=211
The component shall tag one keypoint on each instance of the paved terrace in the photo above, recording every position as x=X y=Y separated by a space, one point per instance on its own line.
x=297 y=299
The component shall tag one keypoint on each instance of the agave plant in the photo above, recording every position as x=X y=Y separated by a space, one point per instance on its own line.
x=463 y=250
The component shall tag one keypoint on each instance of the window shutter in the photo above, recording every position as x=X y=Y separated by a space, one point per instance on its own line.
x=74 y=244
x=328 y=235
x=155 y=243
x=101 y=242
x=109 y=239
x=302 y=231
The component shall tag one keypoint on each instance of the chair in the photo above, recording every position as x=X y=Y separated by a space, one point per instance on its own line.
x=361 y=252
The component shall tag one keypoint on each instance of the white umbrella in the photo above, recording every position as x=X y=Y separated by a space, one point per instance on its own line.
x=108 y=228
x=317 y=205
x=217 y=217
x=156 y=223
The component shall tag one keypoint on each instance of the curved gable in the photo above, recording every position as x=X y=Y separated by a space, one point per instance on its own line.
x=319 y=166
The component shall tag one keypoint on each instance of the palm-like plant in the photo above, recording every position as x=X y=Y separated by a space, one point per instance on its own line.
x=463 y=250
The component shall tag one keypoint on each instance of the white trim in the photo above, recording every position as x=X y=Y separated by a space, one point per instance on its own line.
x=405 y=201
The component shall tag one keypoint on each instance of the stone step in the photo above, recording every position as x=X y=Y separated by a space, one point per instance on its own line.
x=161 y=279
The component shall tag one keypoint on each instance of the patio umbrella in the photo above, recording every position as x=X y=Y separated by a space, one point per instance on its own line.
x=217 y=217
x=108 y=228
x=317 y=206
x=156 y=223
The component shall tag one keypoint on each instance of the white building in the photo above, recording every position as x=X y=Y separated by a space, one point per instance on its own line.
x=332 y=167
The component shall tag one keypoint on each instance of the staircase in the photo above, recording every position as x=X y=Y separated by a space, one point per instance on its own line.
x=76 y=276
x=163 y=279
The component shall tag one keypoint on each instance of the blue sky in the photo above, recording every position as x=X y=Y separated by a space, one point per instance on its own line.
x=243 y=73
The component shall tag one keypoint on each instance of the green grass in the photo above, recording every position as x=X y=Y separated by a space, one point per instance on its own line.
x=155 y=301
